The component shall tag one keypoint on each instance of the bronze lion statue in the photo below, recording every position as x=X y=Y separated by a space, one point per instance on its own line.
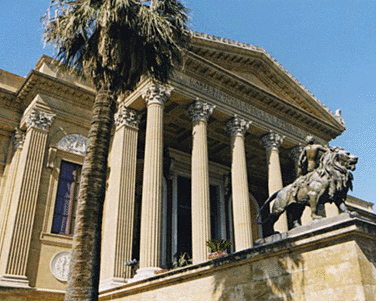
x=329 y=182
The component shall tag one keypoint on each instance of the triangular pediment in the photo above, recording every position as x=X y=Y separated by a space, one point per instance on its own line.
x=257 y=67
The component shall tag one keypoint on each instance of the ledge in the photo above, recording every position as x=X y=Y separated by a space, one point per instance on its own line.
x=344 y=227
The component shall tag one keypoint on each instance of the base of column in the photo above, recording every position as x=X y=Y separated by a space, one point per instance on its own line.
x=144 y=273
x=112 y=283
x=14 y=281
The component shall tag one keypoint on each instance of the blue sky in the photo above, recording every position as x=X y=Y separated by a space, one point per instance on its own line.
x=328 y=45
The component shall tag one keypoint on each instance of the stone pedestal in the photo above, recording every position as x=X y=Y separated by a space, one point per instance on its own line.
x=240 y=194
x=272 y=142
x=17 y=237
x=200 y=192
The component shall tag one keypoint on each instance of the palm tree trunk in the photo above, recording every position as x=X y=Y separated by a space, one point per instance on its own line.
x=83 y=282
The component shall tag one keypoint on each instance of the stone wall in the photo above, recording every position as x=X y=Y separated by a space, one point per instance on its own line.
x=329 y=259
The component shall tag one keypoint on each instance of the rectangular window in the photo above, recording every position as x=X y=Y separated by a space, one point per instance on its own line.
x=67 y=197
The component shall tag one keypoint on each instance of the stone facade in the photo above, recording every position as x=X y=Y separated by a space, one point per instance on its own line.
x=189 y=162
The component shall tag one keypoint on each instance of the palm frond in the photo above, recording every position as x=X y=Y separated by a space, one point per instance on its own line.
x=115 y=42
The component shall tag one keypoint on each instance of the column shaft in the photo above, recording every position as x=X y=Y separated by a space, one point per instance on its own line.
x=200 y=193
x=120 y=200
x=239 y=181
x=152 y=188
x=200 y=185
x=151 y=208
x=272 y=141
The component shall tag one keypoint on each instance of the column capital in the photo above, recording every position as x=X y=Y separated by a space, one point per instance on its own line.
x=200 y=110
x=128 y=117
x=156 y=93
x=272 y=140
x=237 y=126
x=39 y=119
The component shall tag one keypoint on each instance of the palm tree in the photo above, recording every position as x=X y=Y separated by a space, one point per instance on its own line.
x=114 y=43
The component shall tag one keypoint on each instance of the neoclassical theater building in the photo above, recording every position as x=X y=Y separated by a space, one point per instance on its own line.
x=191 y=161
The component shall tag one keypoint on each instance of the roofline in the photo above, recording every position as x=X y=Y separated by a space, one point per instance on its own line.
x=245 y=46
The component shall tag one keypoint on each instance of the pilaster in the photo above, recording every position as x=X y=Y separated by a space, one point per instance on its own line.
x=200 y=186
x=237 y=128
x=155 y=97
x=16 y=244
x=120 y=200
x=8 y=188
x=272 y=141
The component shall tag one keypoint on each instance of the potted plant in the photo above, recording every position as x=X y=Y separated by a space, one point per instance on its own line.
x=218 y=248
x=182 y=260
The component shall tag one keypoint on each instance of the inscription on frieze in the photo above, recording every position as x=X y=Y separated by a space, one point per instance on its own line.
x=241 y=106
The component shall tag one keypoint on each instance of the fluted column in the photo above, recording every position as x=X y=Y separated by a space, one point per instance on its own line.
x=16 y=244
x=151 y=210
x=237 y=128
x=200 y=186
x=120 y=200
x=272 y=142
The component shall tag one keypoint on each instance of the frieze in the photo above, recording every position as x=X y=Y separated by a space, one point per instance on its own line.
x=241 y=106
x=279 y=65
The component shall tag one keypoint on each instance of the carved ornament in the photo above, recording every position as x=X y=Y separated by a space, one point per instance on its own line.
x=74 y=143
x=39 y=119
x=156 y=93
x=59 y=265
x=237 y=126
x=200 y=110
x=19 y=138
x=127 y=116
x=272 y=140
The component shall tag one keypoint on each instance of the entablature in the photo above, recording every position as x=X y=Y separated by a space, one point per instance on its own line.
x=237 y=56
x=205 y=71
x=37 y=82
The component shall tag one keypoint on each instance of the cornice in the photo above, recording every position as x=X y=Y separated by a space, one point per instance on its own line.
x=8 y=98
x=206 y=40
x=53 y=87
x=263 y=99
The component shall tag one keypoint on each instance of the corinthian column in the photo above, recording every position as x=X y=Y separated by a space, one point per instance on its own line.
x=272 y=142
x=17 y=240
x=120 y=200
x=155 y=97
x=240 y=195
x=200 y=187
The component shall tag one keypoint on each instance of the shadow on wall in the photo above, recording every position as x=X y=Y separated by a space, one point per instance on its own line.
x=275 y=278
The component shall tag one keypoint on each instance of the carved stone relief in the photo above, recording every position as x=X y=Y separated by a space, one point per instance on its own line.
x=74 y=143
x=59 y=265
